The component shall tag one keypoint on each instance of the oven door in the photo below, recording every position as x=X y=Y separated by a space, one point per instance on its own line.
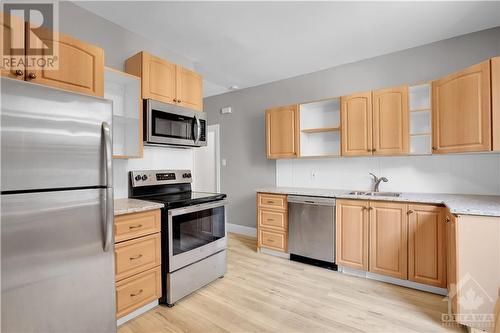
x=195 y=232
x=173 y=125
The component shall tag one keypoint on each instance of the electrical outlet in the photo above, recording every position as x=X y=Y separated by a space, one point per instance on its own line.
x=313 y=175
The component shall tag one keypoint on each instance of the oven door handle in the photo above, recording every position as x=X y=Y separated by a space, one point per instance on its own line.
x=196 y=208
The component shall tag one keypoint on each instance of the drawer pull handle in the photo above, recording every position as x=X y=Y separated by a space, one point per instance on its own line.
x=135 y=226
x=270 y=240
x=136 y=294
x=136 y=257
x=270 y=220
x=270 y=202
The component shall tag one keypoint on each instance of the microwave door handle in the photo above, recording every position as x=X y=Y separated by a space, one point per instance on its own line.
x=198 y=129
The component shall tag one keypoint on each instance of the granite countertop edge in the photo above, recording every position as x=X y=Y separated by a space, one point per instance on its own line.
x=460 y=204
x=125 y=206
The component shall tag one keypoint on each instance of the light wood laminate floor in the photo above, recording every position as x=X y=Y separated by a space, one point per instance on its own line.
x=262 y=293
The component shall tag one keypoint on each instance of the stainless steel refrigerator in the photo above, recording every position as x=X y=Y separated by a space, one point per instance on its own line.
x=57 y=252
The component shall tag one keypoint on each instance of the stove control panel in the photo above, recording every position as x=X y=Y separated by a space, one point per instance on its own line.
x=159 y=177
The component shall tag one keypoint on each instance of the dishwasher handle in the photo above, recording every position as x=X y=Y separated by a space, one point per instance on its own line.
x=320 y=201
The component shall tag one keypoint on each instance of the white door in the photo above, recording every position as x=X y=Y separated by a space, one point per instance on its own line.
x=206 y=174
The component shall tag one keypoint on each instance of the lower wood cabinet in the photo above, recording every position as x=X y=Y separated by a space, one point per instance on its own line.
x=394 y=239
x=137 y=260
x=352 y=233
x=272 y=222
x=427 y=245
x=388 y=239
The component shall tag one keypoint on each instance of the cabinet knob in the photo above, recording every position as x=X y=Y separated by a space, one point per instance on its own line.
x=409 y=212
x=32 y=76
x=448 y=219
x=19 y=72
x=374 y=150
x=136 y=293
x=175 y=100
x=434 y=148
x=179 y=101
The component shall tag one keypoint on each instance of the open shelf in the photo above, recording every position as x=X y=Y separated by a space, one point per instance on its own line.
x=420 y=119
x=320 y=130
x=125 y=92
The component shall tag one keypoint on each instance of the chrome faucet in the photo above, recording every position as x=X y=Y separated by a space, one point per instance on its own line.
x=377 y=181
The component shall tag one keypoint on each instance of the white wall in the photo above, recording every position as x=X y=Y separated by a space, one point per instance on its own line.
x=155 y=158
x=470 y=173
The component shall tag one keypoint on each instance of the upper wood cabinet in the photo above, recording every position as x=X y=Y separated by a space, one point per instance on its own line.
x=426 y=247
x=356 y=128
x=390 y=121
x=375 y=123
x=80 y=66
x=12 y=29
x=166 y=82
x=189 y=89
x=351 y=234
x=461 y=104
x=282 y=132
x=495 y=98
x=388 y=239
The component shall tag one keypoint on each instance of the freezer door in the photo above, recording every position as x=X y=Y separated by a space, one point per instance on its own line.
x=51 y=138
x=56 y=275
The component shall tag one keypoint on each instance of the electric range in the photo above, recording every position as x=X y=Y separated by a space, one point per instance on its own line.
x=193 y=230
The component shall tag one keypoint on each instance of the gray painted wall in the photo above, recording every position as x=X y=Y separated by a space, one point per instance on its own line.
x=243 y=131
x=118 y=43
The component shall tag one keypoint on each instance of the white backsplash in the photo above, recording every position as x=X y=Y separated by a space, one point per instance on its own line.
x=154 y=158
x=463 y=173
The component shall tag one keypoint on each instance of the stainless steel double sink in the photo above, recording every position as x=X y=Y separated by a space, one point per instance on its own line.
x=376 y=194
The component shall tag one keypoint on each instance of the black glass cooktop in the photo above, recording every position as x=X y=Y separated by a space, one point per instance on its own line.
x=185 y=198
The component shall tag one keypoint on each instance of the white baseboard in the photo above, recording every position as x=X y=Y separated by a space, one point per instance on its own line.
x=136 y=313
x=389 y=279
x=241 y=229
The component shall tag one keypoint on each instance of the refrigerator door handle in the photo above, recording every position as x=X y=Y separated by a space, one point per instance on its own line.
x=109 y=215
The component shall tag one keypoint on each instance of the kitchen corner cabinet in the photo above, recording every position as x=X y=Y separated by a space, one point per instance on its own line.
x=272 y=222
x=137 y=260
x=80 y=66
x=427 y=245
x=282 y=132
x=495 y=98
x=166 y=82
x=352 y=233
x=356 y=118
x=461 y=111
x=388 y=239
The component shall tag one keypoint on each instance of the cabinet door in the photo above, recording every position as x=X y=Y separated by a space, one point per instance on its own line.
x=451 y=260
x=426 y=246
x=388 y=239
x=390 y=121
x=461 y=111
x=351 y=233
x=189 y=89
x=158 y=79
x=495 y=97
x=13 y=29
x=356 y=118
x=80 y=65
x=282 y=127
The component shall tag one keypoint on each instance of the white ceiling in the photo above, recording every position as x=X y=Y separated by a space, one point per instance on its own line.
x=251 y=43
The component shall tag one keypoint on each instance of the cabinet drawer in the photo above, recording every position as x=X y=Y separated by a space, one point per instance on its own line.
x=273 y=219
x=137 y=224
x=137 y=291
x=271 y=201
x=274 y=240
x=137 y=255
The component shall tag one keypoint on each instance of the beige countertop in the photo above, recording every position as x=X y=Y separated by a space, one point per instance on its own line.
x=127 y=206
x=460 y=204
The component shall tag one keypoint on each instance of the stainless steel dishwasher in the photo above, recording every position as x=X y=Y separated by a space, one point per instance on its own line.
x=312 y=230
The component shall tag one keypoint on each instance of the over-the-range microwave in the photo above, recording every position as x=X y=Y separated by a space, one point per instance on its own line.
x=171 y=125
